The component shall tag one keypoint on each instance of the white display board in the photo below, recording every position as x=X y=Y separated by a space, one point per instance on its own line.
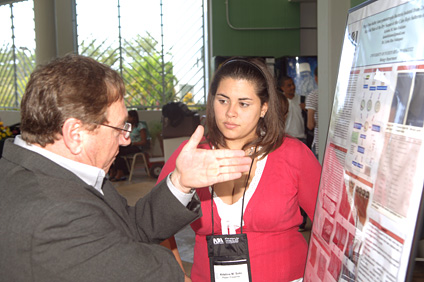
x=370 y=199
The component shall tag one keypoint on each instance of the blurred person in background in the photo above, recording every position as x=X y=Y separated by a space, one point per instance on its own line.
x=140 y=142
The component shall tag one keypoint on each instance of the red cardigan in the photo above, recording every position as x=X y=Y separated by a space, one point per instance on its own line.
x=277 y=250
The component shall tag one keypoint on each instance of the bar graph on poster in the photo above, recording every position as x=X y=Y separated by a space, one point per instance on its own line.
x=371 y=189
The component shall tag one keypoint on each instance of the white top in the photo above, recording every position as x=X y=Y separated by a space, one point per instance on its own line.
x=231 y=214
x=295 y=125
x=312 y=103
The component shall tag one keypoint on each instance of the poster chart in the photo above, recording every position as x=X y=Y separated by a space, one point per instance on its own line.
x=371 y=189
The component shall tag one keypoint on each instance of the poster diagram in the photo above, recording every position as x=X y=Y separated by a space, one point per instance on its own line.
x=373 y=170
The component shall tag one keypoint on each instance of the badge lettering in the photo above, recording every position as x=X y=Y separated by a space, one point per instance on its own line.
x=232 y=240
x=218 y=241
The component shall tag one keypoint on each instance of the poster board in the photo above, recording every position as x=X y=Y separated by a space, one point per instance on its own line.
x=369 y=212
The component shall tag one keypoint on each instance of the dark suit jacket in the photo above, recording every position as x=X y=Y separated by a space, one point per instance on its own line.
x=54 y=227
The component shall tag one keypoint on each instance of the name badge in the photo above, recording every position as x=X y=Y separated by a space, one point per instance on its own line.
x=229 y=258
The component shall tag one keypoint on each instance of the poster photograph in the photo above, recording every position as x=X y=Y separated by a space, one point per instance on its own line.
x=368 y=209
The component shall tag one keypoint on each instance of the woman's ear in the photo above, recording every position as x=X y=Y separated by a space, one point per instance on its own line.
x=72 y=131
x=264 y=109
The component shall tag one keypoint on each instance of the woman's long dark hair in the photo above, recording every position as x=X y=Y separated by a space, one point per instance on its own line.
x=272 y=125
x=135 y=120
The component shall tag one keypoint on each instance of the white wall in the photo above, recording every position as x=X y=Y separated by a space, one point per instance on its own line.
x=150 y=116
x=308 y=35
x=10 y=117
x=332 y=16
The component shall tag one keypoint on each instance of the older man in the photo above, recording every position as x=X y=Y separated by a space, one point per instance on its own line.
x=295 y=124
x=60 y=219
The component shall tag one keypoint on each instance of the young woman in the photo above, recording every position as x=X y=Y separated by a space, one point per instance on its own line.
x=245 y=112
x=140 y=141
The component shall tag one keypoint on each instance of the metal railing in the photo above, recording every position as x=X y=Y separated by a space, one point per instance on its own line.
x=164 y=61
x=157 y=67
x=17 y=61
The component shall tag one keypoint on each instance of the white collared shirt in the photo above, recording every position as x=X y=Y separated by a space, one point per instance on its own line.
x=91 y=175
x=295 y=126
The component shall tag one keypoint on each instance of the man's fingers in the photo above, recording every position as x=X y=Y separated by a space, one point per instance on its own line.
x=227 y=153
x=228 y=176
x=195 y=139
x=200 y=168
x=235 y=161
x=233 y=169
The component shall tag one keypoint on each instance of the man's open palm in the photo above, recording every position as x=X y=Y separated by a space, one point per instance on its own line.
x=197 y=168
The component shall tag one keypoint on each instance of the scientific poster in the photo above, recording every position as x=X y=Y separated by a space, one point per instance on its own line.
x=372 y=179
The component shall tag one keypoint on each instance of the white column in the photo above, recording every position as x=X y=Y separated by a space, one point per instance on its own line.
x=332 y=16
x=55 y=29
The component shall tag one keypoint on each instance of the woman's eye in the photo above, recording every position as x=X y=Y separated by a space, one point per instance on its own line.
x=222 y=101
x=244 y=105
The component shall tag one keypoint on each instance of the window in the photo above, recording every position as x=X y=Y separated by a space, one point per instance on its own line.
x=158 y=47
x=17 y=52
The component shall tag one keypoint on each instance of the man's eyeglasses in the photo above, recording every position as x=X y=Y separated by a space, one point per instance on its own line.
x=124 y=131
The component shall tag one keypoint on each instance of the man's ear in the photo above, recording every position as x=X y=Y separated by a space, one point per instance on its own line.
x=73 y=131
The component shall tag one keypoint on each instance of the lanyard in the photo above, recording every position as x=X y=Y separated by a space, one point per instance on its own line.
x=242 y=201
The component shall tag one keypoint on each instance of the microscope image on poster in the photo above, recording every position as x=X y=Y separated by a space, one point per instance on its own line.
x=405 y=109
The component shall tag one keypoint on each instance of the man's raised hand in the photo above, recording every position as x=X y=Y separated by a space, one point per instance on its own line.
x=196 y=168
